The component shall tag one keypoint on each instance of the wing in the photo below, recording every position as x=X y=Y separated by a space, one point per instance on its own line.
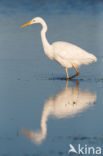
x=69 y=51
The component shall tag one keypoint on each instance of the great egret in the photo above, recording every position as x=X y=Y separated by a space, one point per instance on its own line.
x=66 y=54
x=65 y=104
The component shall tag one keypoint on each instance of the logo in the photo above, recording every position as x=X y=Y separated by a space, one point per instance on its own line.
x=84 y=149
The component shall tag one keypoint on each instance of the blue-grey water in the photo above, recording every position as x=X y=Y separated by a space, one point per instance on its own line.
x=40 y=115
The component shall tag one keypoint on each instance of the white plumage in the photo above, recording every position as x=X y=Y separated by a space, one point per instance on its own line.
x=66 y=54
x=67 y=103
x=69 y=54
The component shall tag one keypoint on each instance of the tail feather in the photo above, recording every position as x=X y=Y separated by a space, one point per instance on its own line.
x=92 y=58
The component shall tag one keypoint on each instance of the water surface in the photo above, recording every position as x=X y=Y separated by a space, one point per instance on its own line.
x=39 y=113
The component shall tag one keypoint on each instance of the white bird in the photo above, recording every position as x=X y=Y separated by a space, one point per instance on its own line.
x=66 y=54
x=67 y=103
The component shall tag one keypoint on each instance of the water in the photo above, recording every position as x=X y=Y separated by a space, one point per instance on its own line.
x=40 y=115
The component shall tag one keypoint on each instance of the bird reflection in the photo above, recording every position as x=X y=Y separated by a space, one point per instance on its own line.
x=67 y=103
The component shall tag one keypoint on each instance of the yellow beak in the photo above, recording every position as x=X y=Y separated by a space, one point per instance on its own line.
x=26 y=24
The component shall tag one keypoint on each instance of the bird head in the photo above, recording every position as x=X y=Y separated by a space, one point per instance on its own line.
x=33 y=21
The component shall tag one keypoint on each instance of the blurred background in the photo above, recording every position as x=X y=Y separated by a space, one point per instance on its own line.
x=29 y=82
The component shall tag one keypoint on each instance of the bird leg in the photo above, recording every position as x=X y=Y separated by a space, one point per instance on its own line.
x=67 y=73
x=66 y=83
x=76 y=73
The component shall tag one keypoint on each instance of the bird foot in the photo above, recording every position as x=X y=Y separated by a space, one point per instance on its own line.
x=74 y=75
x=67 y=78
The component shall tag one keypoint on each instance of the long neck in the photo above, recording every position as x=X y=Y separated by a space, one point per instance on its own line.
x=43 y=35
x=46 y=45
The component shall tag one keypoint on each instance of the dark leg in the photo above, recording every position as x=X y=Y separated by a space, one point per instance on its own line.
x=76 y=73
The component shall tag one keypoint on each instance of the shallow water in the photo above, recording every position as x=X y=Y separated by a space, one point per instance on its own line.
x=40 y=115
